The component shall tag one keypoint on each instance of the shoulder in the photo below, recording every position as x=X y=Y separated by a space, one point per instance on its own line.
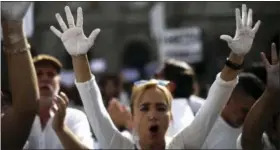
x=196 y=101
x=75 y=114
x=74 y=111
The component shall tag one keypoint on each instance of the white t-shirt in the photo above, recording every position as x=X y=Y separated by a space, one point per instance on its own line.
x=266 y=143
x=222 y=136
x=75 y=120
x=191 y=137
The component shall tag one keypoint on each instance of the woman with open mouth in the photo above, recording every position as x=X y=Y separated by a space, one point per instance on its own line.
x=151 y=100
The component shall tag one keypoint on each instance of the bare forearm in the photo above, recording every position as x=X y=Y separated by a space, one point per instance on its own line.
x=81 y=68
x=22 y=76
x=257 y=119
x=229 y=74
x=69 y=140
x=15 y=129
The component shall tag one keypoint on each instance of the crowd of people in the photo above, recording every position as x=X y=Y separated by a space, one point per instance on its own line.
x=241 y=110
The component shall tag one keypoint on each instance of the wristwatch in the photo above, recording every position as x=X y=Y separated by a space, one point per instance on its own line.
x=234 y=66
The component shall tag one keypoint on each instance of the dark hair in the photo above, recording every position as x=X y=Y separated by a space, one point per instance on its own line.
x=109 y=77
x=136 y=53
x=181 y=74
x=116 y=79
x=257 y=69
x=6 y=98
x=251 y=85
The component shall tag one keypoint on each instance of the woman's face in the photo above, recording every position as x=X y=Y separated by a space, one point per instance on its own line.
x=151 y=115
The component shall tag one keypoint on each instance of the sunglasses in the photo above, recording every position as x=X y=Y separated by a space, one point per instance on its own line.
x=158 y=82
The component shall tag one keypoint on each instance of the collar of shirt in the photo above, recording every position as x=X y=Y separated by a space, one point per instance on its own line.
x=167 y=141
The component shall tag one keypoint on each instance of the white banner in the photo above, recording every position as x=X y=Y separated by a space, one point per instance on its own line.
x=180 y=43
x=28 y=22
x=157 y=19
x=183 y=44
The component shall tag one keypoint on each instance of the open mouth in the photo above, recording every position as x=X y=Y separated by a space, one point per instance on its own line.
x=154 y=128
x=45 y=88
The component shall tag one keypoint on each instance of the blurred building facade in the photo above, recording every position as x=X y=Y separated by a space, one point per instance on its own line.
x=121 y=20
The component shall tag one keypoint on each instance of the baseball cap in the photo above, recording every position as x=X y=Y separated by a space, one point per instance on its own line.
x=48 y=58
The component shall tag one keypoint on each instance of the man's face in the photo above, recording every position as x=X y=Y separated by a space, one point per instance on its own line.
x=238 y=107
x=48 y=79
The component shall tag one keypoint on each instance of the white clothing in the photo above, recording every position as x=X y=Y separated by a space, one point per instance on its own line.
x=127 y=134
x=222 y=136
x=182 y=116
x=191 y=137
x=196 y=102
x=75 y=120
x=124 y=99
x=183 y=112
x=266 y=143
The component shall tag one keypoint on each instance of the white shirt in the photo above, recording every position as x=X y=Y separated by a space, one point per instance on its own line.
x=182 y=116
x=191 y=137
x=195 y=103
x=183 y=112
x=75 y=120
x=222 y=136
x=266 y=143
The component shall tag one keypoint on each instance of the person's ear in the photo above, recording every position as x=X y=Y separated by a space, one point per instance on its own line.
x=171 y=86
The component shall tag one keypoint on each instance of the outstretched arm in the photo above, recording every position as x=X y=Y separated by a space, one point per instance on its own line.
x=17 y=122
x=223 y=86
x=77 y=45
x=267 y=105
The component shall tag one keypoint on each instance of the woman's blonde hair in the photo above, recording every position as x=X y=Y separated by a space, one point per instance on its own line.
x=139 y=89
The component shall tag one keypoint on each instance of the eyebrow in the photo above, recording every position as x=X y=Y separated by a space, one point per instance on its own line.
x=160 y=104
x=145 y=104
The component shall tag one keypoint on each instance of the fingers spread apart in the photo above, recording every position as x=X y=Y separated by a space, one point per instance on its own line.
x=274 y=57
x=70 y=20
x=246 y=20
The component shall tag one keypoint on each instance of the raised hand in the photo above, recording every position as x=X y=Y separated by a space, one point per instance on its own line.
x=14 y=11
x=59 y=110
x=244 y=34
x=119 y=114
x=73 y=37
x=273 y=69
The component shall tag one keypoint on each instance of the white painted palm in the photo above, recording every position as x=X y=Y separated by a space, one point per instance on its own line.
x=73 y=37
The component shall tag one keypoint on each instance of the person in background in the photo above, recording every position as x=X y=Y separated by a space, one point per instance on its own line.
x=116 y=102
x=151 y=100
x=43 y=135
x=184 y=105
x=262 y=125
x=111 y=86
x=17 y=119
x=229 y=124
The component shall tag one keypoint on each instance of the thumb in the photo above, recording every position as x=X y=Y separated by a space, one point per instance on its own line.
x=226 y=38
x=93 y=35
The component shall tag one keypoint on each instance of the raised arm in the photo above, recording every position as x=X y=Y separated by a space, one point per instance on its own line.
x=193 y=136
x=77 y=45
x=17 y=122
x=267 y=105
